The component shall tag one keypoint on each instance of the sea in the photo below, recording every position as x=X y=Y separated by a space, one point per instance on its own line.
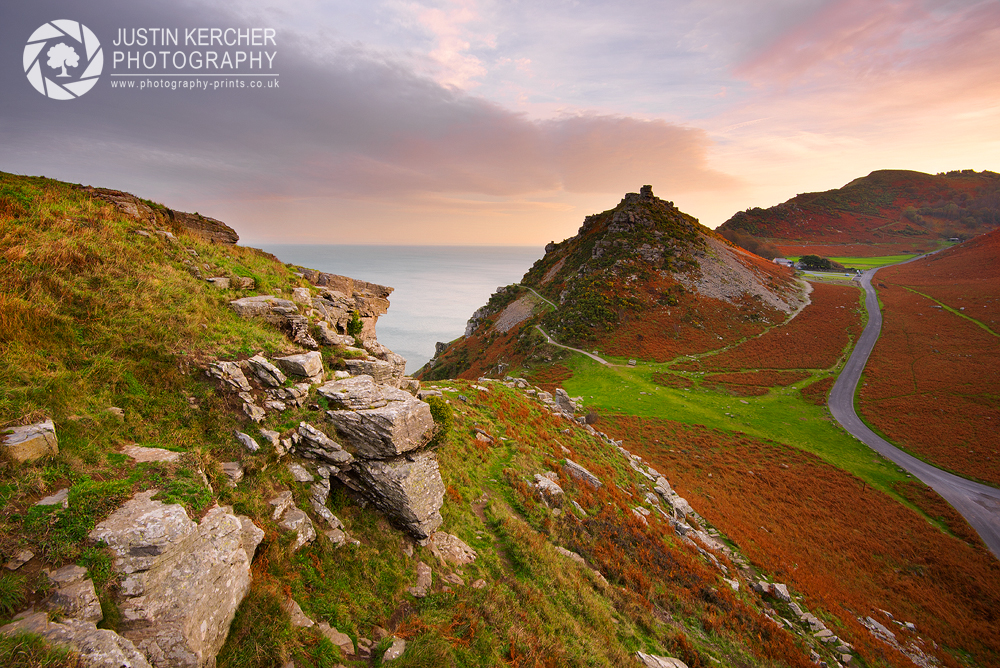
x=437 y=288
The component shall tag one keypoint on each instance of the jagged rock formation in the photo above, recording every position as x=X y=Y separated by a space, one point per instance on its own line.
x=181 y=581
x=98 y=648
x=160 y=216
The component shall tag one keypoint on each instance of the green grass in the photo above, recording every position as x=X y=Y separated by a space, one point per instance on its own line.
x=866 y=262
x=29 y=650
x=781 y=415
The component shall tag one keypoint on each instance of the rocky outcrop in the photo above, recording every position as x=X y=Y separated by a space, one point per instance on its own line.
x=403 y=423
x=181 y=581
x=196 y=224
x=26 y=444
x=407 y=489
x=98 y=648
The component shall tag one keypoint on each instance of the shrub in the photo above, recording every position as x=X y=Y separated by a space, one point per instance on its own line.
x=444 y=418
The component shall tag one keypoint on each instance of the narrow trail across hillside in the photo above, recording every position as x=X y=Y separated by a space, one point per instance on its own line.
x=979 y=504
x=552 y=341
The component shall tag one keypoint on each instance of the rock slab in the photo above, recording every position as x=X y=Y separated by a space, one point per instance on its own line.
x=408 y=489
x=26 y=444
x=98 y=648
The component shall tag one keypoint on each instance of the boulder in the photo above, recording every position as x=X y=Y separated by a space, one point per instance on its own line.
x=305 y=365
x=233 y=472
x=301 y=296
x=266 y=373
x=219 y=282
x=425 y=578
x=548 y=489
x=250 y=536
x=297 y=521
x=451 y=549
x=141 y=454
x=341 y=640
x=330 y=337
x=581 y=474
x=66 y=575
x=247 y=441
x=98 y=648
x=26 y=444
x=77 y=600
x=314 y=444
x=230 y=375
x=403 y=424
x=395 y=650
x=262 y=306
x=299 y=618
x=652 y=661
x=407 y=489
x=563 y=401
x=299 y=473
x=356 y=393
x=19 y=559
x=60 y=498
x=383 y=372
x=182 y=581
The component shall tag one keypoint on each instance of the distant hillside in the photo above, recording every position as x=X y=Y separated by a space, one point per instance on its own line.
x=642 y=279
x=887 y=212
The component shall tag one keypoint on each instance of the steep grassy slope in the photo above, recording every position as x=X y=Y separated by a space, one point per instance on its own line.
x=96 y=315
x=887 y=212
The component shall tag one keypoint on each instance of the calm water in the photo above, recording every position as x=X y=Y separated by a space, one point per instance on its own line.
x=437 y=287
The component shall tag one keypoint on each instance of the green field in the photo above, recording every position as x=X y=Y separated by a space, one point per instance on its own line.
x=781 y=415
x=866 y=262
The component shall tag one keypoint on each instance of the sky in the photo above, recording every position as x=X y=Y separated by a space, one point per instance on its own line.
x=504 y=122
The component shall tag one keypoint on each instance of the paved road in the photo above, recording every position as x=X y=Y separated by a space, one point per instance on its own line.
x=978 y=504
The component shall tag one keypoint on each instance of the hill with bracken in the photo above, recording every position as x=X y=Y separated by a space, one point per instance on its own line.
x=888 y=212
x=642 y=279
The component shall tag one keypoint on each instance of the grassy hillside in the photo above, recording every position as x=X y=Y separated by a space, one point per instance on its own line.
x=888 y=212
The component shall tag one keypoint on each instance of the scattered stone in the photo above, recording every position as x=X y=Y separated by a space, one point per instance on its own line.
x=247 y=441
x=451 y=549
x=250 y=536
x=117 y=412
x=581 y=474
x=219 y=282
x=280 y=503
x=410 y=384
x=233 y=472
x=825 y=633
x=306 y=365
x=60 y=498
x=479 y=584
x=77 y=600
x=424 y=395
x=318 y=494
x=424 y=581
x=846 y=659
x=262 y=306
x=780 y=592
x=299 y=618
x=734 y=584
x=230 y=375
x=651 y=661
x=26 y=444
x=18 y=560
x=336 y=536
x=253 y=411
x=98 y=648
x=341 y=640
x=266 y=373
x=182 y=581
x=142 y=454
x=571 y=554
x=243 y=282
x=297 y=521
x=301 y=296
x=395 y=650
x=299 y=473
x=66 y=575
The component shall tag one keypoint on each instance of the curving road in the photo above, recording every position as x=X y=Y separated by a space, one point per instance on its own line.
x=978 y=504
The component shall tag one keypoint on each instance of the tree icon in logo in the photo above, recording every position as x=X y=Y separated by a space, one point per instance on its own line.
x=63 y=45
x=62 y=55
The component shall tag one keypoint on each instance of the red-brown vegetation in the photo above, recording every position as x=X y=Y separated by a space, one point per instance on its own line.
x=931 y=504
x=550 y=377
x=816 y=393
x=931 y=384
x=814 y=339
x=848 y=548
x=671 y=380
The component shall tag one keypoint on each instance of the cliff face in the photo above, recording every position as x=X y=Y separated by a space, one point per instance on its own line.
x=641 y=279
x=204 y=227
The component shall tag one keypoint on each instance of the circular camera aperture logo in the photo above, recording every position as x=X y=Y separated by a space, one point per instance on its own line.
x=63 y=59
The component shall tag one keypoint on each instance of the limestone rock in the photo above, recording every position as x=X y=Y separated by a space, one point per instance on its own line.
x=403 y=424
x=299 y=473
x=341 y=640
x=451 y=549
x=316 y=445
x=60 y=498
x=581 y=474
x=301 y=296
x=299 y=618
x=247 y=441
x=395 y=650
x=26 y=444
x=266 y=373
x=425 y=578
x=230 y=375
x=407 y=489
x=318 y=494
x=548 y=488
x=409 y=384
x=280 y=504
x=651 y=661
x=98 y=648
x=218 y=282
x=250 y=537
x=383 y=372
x=66 y=575
x=262 y=306
x=233 y=472
x=77 y=600
x=571 y=554
x=780 y=592
x=297 y=521
x=183 y=581
x=356 y=393
x=305 y=365
x=18 y=560
x=141 y=454
x=253 y=411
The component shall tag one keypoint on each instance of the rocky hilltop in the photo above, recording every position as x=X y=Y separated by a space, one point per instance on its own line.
x=888 y=212
x=641 y=279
